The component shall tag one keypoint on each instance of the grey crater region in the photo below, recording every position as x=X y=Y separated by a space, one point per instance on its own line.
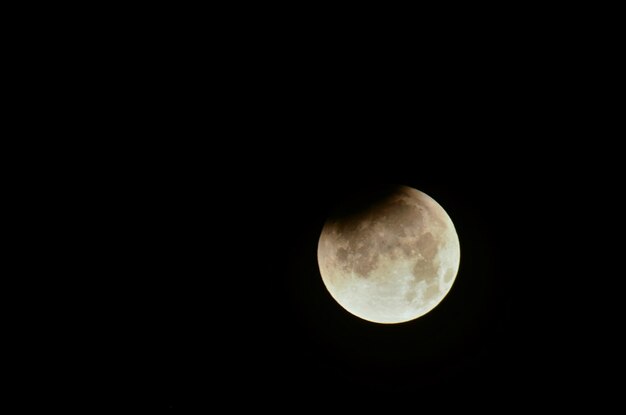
x=390 y=255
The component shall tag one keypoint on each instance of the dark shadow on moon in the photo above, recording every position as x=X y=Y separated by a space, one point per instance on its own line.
x=363 y=201
x=365 y=212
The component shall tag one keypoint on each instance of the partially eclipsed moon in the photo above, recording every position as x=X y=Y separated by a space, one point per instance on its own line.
x=389 y=257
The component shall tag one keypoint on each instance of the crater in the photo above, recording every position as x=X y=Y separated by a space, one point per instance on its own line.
x=432 y=291
x=363 y=266
x=427 y=246
x=342 y=255
x=423 y=270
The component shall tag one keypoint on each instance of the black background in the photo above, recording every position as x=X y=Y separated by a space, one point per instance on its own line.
x=216 y=296
x=216 y=212
x=232 y=302
x=180 y=226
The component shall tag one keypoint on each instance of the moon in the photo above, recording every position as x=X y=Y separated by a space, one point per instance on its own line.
x=389 y=255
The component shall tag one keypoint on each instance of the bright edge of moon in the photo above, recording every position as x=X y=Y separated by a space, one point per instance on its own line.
x=392 y=261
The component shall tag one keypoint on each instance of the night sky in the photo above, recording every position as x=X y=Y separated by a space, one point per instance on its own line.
x=232 y=302
x=208 y=158
x=224 y=302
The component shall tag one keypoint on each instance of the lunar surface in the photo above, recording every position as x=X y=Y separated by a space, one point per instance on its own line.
x=389 y=256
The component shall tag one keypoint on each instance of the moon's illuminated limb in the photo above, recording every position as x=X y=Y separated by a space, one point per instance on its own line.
x=391 y=261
